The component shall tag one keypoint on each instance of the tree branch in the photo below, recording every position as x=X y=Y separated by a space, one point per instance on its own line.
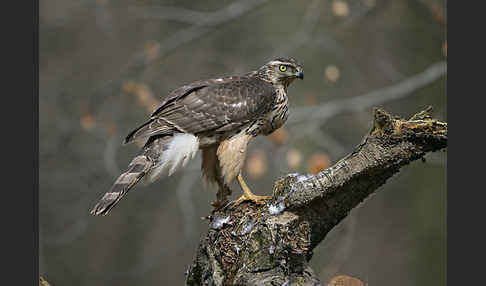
x=272 y=244
x=321 y=113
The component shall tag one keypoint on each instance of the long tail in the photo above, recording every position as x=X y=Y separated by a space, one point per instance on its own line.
x=160 y=156
x=137 y=169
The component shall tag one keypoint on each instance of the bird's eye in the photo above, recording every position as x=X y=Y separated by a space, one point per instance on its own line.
x=283 y=68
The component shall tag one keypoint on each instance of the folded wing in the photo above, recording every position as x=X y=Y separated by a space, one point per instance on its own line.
x=216 y=105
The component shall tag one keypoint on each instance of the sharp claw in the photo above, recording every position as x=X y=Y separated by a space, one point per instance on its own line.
x=259 y=200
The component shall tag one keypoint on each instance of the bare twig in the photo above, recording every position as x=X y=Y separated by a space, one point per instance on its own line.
x=169 y=13
x=217 y=18
x=355 y=17
x=321 y=113
x=304 y=34
x=138 y=61
x=326 y=141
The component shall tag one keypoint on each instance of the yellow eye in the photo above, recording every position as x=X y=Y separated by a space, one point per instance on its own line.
x=283 y=68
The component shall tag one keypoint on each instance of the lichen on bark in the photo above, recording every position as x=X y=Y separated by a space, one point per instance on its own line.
x=272 y=244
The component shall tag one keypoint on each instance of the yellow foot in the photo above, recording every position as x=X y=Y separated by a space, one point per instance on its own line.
x=248 y=195
x=251 y=197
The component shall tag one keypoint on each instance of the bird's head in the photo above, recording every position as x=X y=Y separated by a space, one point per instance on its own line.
x=281 y=71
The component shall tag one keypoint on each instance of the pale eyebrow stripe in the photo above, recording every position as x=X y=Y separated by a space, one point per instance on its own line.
x=278 y=63
x=282 y=63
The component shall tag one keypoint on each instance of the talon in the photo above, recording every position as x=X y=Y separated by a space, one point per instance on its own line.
x=259 y=200
x=248 y=195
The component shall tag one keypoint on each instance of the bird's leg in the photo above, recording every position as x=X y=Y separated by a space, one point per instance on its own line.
x=221 y=196
x=248 y=195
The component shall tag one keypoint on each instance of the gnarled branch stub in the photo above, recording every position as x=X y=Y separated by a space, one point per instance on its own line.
x=272 y=244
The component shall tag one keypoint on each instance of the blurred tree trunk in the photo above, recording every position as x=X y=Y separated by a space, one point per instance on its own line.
x=272 y=244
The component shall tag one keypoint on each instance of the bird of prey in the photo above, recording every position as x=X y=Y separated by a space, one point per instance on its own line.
x=217 y=116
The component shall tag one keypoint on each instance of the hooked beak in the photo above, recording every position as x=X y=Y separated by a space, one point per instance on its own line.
x=300 y=75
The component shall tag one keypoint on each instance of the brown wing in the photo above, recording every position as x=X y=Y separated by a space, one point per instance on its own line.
x=213 y=105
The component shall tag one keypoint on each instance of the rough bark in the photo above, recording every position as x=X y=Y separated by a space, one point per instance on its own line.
x=272 y=244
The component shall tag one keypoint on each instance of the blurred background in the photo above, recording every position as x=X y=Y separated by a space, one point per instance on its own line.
x=105 y=65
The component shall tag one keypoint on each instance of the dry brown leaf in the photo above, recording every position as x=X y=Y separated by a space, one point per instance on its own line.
x=151 y=50
x=110 y=128
x=317 y=163
x=87 y=122
x=279 y=136
x=129 y=86
x=294 y=159
x=340 y=8
x=344 y=280
x=332 y=73
x=257 y=165
x=310 y=99
x=142 y=93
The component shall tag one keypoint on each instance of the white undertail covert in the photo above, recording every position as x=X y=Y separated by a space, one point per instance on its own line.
x=180 y=150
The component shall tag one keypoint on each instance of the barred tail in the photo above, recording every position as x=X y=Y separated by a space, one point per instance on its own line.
x=136 y=170
x=160 y=156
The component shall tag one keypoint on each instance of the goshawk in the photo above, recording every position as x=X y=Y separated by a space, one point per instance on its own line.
x=217 y=116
